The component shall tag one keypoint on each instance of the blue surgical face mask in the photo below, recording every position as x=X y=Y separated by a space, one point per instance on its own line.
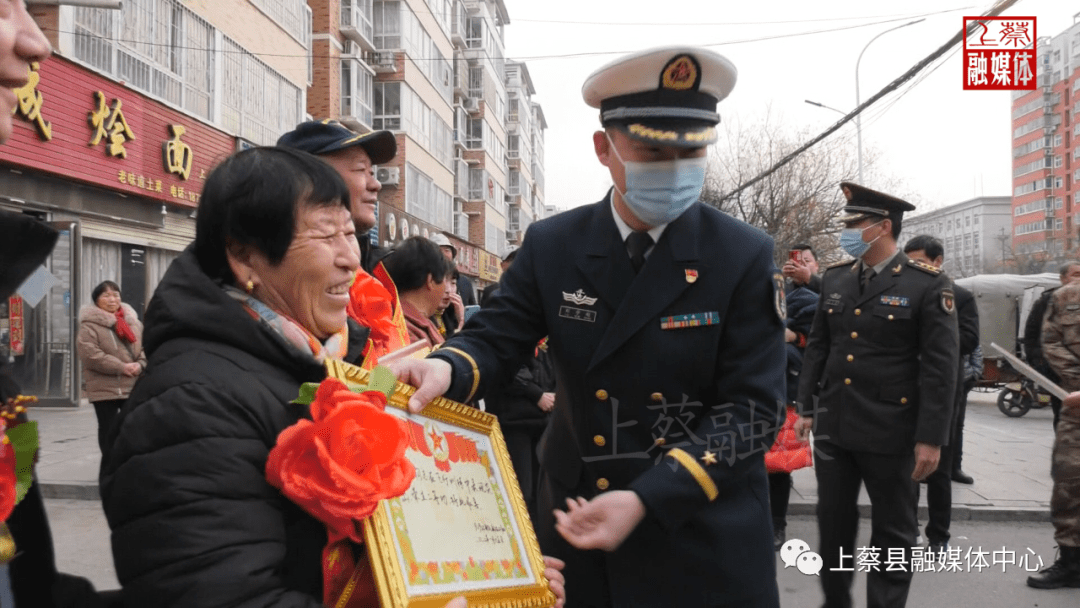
x=851 y=240
x=658 y=193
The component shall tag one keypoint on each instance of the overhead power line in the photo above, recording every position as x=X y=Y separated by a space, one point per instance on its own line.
x=889 y=88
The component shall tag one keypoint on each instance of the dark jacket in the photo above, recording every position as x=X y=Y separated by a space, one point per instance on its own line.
x=801 y=305
x=194 y=521
x=1033 y=349
x=632 y=369
x=967 y=318
x=882 y=361
x=515 y=403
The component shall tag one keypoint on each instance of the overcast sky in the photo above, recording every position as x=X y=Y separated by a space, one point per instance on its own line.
x=946 y=144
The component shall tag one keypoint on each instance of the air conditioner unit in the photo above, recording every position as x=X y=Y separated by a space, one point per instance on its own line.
x=513 y=235
x=388 y=176
x=383 y=62
x=471 y=105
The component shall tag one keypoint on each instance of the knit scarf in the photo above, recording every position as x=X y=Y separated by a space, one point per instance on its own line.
x=292 y=332
x=122 y=328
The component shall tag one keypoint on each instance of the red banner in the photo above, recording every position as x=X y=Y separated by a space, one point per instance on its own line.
x=75 y=123
x=16 y=330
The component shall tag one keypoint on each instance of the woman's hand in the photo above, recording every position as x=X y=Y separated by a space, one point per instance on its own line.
x=547 y=402
x=459 y=309
x=457 y=602
x=132 y=369
x=553 y=571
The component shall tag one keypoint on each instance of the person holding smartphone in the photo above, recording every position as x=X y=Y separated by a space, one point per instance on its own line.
x=801 y=268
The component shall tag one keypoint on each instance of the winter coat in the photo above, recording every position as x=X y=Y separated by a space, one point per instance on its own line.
x=104 y=354
x=194 y=521
x=515 y=403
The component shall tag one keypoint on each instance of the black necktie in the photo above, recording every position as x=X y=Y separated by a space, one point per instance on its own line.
x=867 y=276
x=637 y=244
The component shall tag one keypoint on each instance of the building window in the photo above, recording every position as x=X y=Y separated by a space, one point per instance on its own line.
x=474 y=33
x=386 y=106
x=357 y=91
x=386 y=24
x=427 y=201
x=474 y=134
x=292 y=16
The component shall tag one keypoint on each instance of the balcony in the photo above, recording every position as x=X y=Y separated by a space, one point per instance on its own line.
x=458 y=24
x=356 y=22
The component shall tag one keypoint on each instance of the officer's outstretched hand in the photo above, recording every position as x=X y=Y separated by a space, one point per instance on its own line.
x=1071 y=400
x=601 y=523
x=926 y=460
x=431 y=377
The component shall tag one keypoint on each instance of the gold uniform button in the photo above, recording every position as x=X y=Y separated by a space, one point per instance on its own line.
x=903 y=400
x=602 y=483
x=858 y=312
x=599 y=440
x=657 y=397
x=660 y=441
x=851 y=357
x=830 y=311
x=601 y=395
x=890 y=317
x=847 y=380
x=854 y=335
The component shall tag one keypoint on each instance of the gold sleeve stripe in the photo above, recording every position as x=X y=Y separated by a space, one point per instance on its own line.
x=697 y=471
x=475 y=371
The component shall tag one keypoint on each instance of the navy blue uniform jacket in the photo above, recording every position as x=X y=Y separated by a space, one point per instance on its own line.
x=638 y=405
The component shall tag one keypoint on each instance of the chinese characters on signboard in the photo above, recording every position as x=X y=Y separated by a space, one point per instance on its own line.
x=16 y=331
x=30 y=102
x=999 y=54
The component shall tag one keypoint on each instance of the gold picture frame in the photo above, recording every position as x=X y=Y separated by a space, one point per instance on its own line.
x=462 y=528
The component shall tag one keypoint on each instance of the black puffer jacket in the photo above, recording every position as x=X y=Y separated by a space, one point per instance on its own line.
x=194 y=522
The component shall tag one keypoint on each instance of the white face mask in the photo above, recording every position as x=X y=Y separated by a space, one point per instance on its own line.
x=658 y=193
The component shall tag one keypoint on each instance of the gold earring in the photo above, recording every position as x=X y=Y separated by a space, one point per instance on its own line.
x=250 y=286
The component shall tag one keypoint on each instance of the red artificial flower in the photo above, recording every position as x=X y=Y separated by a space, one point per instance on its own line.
x=372 y=305
x=7 y=479
x=340 y=464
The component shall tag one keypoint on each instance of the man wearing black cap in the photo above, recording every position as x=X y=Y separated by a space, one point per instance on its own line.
x=877 y=386
x=664 y=317
x=354 y=156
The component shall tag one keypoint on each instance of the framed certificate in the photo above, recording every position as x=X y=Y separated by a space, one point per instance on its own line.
x=462 y=527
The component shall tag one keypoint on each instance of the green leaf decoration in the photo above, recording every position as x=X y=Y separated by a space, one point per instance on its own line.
x=24 y=440
x=382 y=380
x=307 y=393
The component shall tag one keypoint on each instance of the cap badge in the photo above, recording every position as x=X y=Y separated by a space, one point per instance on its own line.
x=680 y=74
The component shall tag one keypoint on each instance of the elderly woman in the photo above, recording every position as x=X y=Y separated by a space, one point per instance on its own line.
x=419 y=271
x=110 y=348
x=240 y=320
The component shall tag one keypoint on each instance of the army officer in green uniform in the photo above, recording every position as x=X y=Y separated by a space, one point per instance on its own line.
x=878 y=385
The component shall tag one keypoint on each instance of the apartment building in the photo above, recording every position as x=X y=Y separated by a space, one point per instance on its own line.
x=1045 y=156
x=975 y=233
x=114 y=137
x=470 y=137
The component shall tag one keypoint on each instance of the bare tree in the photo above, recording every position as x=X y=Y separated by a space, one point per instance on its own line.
x=801 y=201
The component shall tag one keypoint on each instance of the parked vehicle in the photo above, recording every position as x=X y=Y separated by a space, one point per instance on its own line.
x=1004 y=301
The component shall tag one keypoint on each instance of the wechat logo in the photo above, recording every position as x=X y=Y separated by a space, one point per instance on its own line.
x=797 y=553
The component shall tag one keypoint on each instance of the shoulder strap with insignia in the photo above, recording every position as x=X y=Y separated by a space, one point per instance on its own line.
x=842 y=264
x=923 y=266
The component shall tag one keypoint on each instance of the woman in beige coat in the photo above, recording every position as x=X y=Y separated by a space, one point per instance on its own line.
x=110 y=347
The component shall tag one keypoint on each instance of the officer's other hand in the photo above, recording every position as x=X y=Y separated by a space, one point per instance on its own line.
x=601 y=523
x=803 y=426
x=1071 y=400
x=431 y=377
x=926 y=460
x=790 y=336
x=799 y=273
x=553 y=572
x=547 y=402
x=457 y=602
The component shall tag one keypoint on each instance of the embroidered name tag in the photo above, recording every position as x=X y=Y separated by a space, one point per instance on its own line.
x=697 y=319
x=577 y=314
x=895 y=301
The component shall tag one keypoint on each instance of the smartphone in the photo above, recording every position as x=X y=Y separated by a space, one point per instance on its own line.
x=795 y=256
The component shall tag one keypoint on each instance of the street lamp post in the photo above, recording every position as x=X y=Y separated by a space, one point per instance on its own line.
x=858 y=100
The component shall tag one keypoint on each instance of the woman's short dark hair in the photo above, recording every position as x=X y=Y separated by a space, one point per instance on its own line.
x=253 y=199
x=100 y=289
x=413 y=261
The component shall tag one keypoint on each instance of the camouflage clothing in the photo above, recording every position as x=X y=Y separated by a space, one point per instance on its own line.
x=1061 y=347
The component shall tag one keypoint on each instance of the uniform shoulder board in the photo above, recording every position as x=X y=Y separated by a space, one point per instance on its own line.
x=841 y=264
x=923 y=266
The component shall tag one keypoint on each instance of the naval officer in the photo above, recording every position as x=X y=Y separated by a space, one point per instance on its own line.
x=664 y=317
